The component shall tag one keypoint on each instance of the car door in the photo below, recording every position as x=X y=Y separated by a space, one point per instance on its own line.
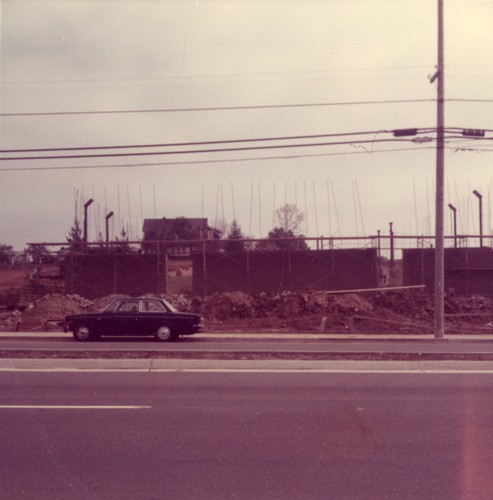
x=153 y=313
x=122 y=320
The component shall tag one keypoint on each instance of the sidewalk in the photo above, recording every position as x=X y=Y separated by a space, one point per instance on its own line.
x=288 y=336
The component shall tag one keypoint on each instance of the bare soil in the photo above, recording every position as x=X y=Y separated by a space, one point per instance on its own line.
x=408 y=312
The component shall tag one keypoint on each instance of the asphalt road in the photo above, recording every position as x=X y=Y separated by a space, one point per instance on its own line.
x=246 y=435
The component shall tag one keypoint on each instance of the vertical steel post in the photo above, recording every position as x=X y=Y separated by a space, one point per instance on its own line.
x=107 y=218
x=164 y=255
x=115 y=272
x=379 y=250
x=86 y=206
x=391 y=269
x=158 y=269
x=204 y=265
x=480 y=198
x=248 y=271
x=454 y=212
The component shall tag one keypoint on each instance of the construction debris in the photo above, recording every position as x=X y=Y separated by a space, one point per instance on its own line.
x=287 y=311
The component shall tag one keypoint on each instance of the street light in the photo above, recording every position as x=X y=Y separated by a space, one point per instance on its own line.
x=454 y=212
x=480 y=198
x=107 y=228
x=86 y=206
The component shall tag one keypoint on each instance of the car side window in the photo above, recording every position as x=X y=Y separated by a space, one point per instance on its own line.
x=129 y=306
x=112 y=308
x=153 y=306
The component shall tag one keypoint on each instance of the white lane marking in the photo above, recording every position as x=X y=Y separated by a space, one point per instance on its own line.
x=70 y=407
x=417 y=371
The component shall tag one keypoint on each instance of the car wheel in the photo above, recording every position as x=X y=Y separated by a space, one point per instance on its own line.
x=82 y=332
x=164 y=334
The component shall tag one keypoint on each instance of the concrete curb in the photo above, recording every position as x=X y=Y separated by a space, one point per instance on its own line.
x=181 y=365
x=285 y=336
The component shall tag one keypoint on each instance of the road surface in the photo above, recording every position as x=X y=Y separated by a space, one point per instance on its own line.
x=246 y=435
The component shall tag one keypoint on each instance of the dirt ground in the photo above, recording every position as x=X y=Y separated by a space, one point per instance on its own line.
x=11 y=281
x=409 y=311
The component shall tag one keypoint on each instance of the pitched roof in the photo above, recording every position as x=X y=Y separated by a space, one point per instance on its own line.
x=179 y=228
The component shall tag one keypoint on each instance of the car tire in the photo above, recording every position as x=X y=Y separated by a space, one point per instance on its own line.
x=165 y=334
x=82 y=332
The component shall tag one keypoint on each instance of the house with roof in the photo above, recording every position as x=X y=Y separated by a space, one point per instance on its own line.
x=163 y=232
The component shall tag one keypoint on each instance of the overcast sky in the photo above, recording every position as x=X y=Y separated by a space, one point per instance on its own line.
x=344 y=60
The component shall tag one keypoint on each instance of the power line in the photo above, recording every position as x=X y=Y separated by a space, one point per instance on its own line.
x=200 y=151
x=218 y=108
x=237 y=108
x=215 y=161
x=236 y=160
x=461 y=138
x=469 y=100
x=221 y=150
x=233 y=141
x=161 y=79
x=199 y=143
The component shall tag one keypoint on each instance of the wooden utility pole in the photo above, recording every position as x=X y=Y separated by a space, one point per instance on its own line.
x=440 y=176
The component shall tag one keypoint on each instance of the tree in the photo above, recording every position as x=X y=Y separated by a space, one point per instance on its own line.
x=101 y=246
x=235 y=238
x=290 y=218
x=122 y=245
x=275 y=240
x=6 y=254
x=40 y=254
x=74 y=237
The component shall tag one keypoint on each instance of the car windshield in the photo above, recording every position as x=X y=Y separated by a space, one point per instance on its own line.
x=169 y=306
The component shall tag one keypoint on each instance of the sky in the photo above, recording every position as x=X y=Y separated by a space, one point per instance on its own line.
x=110 y=73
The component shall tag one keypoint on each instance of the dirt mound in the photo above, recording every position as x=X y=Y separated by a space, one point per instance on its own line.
x=352 y=303
x=305 y=310
x=416 y=304
x=48 y=309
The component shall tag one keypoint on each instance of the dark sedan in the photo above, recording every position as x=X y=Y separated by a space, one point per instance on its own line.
x=142 y=316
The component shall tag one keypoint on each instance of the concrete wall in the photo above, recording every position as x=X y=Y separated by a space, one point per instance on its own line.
x=468 y=271
x=275 y=271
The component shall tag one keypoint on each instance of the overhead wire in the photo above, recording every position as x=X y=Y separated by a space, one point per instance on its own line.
x=196 y=143
x=214 y=161
x=354 y=143
x=357 y=142
x=201 y=151
x=217 y=108
x=236 y=160
x=236 y=108
x=233 y=141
